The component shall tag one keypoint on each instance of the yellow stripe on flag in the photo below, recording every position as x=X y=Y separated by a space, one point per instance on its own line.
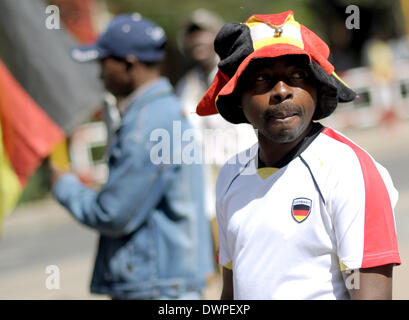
x=281 y=40
x=263 y=34
x=299 y=218
x=10 y=187
x=59 y=157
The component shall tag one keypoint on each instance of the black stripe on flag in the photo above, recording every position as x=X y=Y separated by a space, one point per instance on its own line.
x=301 y=207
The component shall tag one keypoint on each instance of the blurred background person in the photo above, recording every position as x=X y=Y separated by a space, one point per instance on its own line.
x=154 y=236
x=195 y=40
x=219 y=139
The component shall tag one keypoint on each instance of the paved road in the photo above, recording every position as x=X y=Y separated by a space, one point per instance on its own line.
x=42 y=234
x=39 y=235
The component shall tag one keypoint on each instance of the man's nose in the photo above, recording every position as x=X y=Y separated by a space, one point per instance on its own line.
x=280 y=92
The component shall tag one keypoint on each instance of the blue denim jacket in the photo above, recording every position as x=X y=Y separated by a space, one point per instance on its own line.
x=154 y=235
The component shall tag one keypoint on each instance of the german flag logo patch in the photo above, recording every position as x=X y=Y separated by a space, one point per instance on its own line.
x=300 y=209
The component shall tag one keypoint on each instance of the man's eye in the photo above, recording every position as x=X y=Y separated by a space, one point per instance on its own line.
x=299 y=74
x=261 y=77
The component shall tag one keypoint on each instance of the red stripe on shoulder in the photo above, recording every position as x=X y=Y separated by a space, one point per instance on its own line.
x=380 y=242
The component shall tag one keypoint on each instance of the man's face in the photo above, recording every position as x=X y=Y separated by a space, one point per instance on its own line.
x=116 y=76
x=279 y=98
x=199 y=45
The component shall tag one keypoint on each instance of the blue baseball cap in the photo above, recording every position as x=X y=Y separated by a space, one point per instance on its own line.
x=126 y=35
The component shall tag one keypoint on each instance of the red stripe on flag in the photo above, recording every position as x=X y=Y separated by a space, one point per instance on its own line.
x=77 y=18
x=29 y=134
x=302 y=213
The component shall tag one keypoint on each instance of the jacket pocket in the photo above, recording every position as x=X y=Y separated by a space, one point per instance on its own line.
x=134 y=260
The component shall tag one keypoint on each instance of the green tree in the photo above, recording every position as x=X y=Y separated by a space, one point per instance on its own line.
x=170 y=13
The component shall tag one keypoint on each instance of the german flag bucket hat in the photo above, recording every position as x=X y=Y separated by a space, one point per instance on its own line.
x=269 y=36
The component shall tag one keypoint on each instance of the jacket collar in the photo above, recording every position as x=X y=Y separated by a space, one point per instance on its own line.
x=144 y=94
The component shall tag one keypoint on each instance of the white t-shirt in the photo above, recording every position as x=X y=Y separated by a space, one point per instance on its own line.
x=286 y=232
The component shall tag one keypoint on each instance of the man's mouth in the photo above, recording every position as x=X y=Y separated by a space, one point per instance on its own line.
x=283 y=115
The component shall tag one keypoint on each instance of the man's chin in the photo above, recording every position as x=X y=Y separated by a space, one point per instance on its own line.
x=283 y=136
x=120 y=93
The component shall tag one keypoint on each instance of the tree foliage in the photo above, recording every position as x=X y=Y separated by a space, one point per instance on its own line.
x=171 y=13
x=325 y=17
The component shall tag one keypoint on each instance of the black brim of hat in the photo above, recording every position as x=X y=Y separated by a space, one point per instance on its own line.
x=331 y=91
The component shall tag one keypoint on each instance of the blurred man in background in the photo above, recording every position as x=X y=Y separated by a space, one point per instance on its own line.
x=196 y=43
x=219 y=139
x=154 y=236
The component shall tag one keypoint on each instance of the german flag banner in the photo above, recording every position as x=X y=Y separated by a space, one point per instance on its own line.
x=44 y=94
x=38 y=56
x=77 y=18
x=27 y=136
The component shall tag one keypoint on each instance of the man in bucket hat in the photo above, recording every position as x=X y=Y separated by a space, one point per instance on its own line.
x=154 y=235
x=309 y=215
